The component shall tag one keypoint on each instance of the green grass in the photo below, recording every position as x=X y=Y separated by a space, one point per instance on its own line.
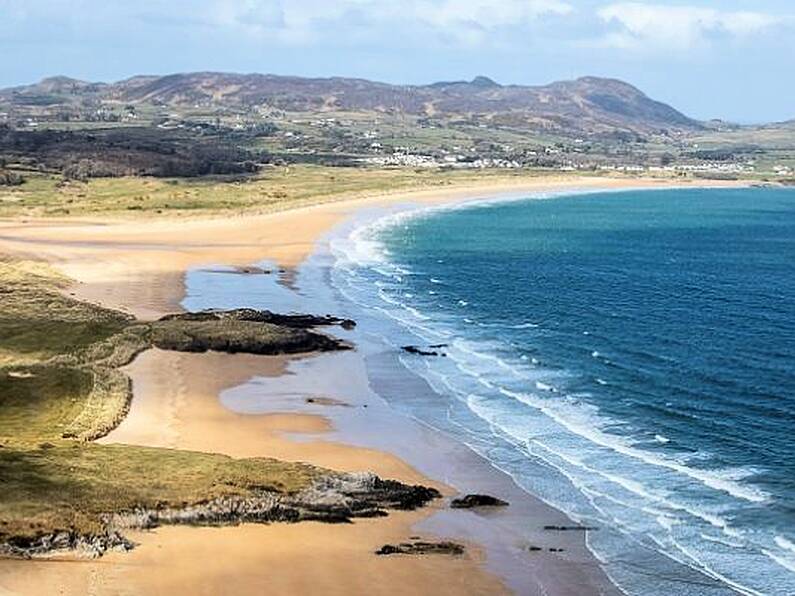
x=60 y=388
x=38 y=403
x=38 y=321
x=69 y=486
x=273 y=189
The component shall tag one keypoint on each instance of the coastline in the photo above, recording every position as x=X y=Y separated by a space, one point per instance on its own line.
x=140 y=268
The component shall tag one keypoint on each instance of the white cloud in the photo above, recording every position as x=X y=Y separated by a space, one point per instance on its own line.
x=655 y=26
x=459 y=21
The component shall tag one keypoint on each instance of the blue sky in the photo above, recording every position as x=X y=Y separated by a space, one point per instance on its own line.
x=731 y=59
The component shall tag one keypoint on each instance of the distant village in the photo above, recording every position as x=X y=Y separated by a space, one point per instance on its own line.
x=381 y=141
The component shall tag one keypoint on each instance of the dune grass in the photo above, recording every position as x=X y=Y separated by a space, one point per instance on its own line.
x=274 y=188
x=59 y=388
x=70 y=486
x=38 y=321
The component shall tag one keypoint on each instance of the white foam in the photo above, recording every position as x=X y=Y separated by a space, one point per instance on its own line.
x=786 y=562
x=721 y=480
x=662 y=439
x=722 y=577
x=568 y=414
x=722 y=541
x=525 y=326
x=785 y=544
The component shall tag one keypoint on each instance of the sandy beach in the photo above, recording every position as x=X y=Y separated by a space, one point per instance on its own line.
x=139 y=266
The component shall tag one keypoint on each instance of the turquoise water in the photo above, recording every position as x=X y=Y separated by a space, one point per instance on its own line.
x=629 y=357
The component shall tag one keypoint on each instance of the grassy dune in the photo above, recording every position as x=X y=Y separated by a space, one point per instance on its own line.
x=271 y=190
x=59 y=387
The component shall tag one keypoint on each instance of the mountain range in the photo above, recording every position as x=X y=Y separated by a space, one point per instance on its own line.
x=588 y=104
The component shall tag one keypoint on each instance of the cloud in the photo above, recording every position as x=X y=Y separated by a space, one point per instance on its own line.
x=467 y=22
x=655 y=26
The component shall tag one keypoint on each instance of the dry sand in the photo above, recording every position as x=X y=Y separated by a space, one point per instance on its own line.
x=139 y=266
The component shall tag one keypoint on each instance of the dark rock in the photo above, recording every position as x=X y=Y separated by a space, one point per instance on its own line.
x=63 y=540
x=326 y=401
x=420 y=351
x=470 y=501
x=571 y=528
x=202 y=332
x=421 y=548
x=557 y=550
x=534 y=549
x=295 y=321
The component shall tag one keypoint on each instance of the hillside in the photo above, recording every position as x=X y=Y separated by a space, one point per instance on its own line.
x=584 y=106
x=234 y=125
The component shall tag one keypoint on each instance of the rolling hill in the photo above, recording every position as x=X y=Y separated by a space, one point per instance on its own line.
x=586 y=105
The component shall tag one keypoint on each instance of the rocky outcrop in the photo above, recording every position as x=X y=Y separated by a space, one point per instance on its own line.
x=294 y=321
x=246 y=331
x=334 y=498
x=472 y=501
x=422 y=548
x=239 y=337
x=429 y=351
x=91 y=545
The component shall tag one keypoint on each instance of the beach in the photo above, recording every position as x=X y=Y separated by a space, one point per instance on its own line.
x=319 y=409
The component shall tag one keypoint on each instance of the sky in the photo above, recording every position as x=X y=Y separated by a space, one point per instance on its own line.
x=729 y=59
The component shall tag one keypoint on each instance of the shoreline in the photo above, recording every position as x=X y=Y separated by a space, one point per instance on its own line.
x=140 y=267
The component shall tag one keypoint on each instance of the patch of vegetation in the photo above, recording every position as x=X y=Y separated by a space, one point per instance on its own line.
x=272 y=189
x=38 y=321
x=10 y=178
x=134 y=151
x=39 y=402
x=60 y=387
x=70 y=486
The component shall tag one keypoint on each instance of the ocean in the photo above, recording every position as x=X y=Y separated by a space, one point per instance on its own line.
x=628 y=357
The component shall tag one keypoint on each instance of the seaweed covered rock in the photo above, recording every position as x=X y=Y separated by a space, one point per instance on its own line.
x=238 y=336
x=295 y=321
x=421 y=548
x=472 y=501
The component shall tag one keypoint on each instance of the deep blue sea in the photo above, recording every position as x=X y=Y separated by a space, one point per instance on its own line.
x=628 y=357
